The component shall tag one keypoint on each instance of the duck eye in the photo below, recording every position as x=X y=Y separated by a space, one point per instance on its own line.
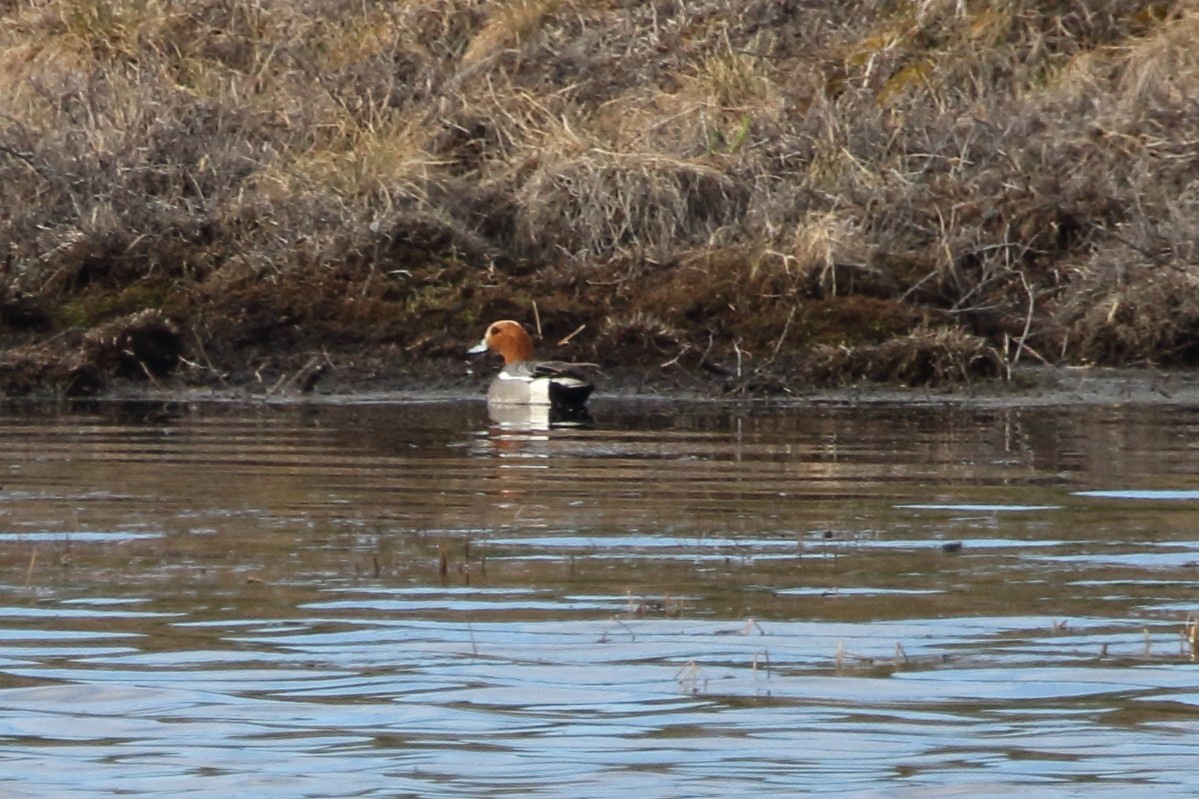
x=494 y=331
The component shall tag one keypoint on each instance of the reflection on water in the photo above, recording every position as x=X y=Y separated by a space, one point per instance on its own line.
x=403 y=599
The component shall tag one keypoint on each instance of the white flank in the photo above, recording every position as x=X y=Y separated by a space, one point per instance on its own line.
x=539 y=392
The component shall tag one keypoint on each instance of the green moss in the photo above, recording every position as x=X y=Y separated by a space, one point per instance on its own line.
x=95 y=307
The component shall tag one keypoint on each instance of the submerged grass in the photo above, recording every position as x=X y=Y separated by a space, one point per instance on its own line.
x=775 y=193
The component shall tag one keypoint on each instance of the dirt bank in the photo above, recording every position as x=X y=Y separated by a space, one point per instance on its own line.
x=749 y=198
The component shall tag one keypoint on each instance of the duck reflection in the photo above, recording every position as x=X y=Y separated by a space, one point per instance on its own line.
x=538 y=417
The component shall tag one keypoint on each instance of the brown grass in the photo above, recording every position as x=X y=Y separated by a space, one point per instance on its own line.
x=287 y=178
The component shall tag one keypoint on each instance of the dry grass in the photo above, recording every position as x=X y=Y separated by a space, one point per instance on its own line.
x=599 y=204
x=924 y=358
x=509 y=27
x=282 y=176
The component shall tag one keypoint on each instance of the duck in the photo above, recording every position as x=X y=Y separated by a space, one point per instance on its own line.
x=525 y=381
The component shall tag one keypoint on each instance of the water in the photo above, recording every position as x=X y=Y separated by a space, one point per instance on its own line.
x=393 y=599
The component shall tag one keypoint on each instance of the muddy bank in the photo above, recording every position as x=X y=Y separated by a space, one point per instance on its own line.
x=1028 y=387
x=467 y=379
x=285 y=337
x=753 y=199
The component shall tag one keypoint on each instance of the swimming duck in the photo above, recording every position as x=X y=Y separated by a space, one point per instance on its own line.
x=524 y=381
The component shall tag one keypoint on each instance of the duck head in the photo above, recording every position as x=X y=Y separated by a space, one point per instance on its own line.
x=507 y=338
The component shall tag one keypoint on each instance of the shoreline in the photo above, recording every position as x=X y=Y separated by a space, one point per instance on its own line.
x=1029 y=387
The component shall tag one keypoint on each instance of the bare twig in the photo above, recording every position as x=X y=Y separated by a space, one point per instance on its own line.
x=564 y=341
x=29 y=570
x=786 y=327
x=1027 y=323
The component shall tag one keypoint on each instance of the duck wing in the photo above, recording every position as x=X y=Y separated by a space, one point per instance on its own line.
x=578 y=371
x=566 y=385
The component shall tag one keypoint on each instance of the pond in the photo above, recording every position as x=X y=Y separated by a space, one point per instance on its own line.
x=396 y=597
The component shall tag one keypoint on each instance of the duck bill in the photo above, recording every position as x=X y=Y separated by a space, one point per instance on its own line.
x=478 y=349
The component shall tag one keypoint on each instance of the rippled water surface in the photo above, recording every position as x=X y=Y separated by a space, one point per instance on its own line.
x=394 y=599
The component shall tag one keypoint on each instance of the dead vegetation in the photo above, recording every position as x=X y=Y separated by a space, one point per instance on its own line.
x=770 y=193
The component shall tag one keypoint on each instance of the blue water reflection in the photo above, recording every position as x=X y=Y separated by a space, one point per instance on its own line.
x=385 y=599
